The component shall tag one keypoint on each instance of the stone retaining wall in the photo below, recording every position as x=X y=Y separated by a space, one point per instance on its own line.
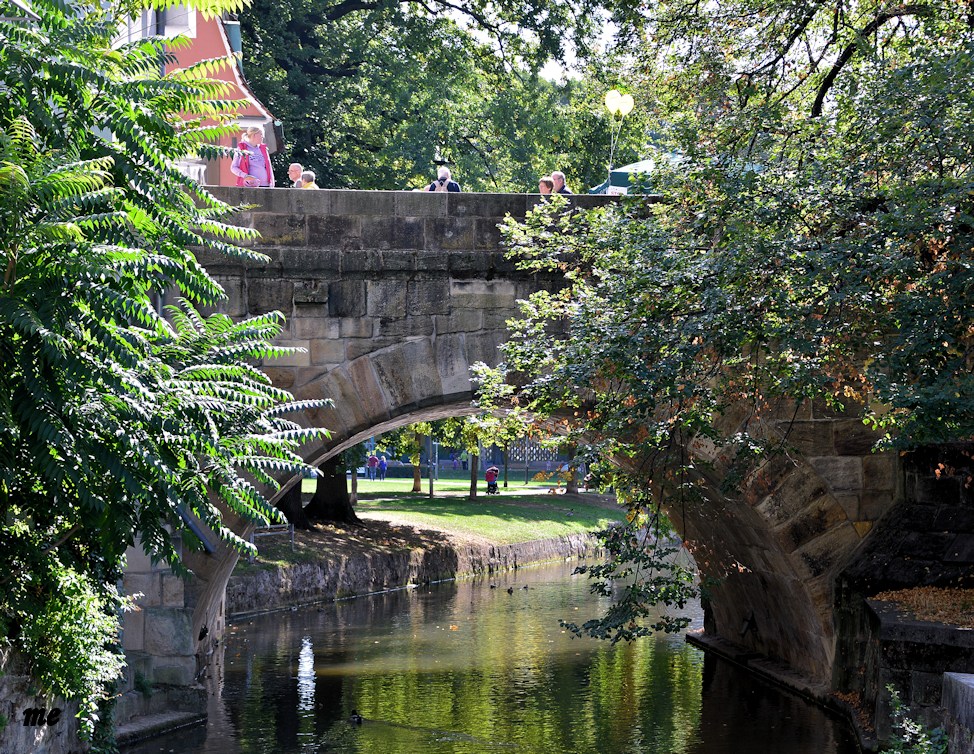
x=334 y=578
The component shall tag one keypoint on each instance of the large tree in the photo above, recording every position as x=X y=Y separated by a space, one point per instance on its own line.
x=815 y=242
x=117 y=425
x=373 y=95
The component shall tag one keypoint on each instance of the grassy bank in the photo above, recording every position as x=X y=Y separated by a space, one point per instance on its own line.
x=393 y=518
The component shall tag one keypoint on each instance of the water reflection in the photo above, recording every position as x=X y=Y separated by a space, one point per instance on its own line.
x=463 y=667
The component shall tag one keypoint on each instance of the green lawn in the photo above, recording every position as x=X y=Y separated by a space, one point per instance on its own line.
x=502 y=519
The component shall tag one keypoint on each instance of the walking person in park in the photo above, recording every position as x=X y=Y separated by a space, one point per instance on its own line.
x=371 y=465
x=444 y=181
x=383 y=465
x=252 y=163
x=463 y=459
x=558 y=178
x=546 y=186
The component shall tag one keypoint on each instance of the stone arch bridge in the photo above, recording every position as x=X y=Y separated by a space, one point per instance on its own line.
x=393 y=295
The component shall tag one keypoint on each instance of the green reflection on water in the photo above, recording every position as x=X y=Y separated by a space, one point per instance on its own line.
x=465 y=668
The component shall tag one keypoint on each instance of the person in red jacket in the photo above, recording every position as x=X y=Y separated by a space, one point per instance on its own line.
x=491 y=476
x=252 y=163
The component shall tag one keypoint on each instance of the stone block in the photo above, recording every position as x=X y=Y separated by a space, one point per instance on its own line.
x=469 y=263
x=317 y=265
x=345 y=413
x=172 y=590
x=281 y=230
x=500 y=264
x=168 y=632
x=879 y=471
x=432 y=261
x=398 y=260
x=315 y=328
x=792 y=489
x=346 y=298
x=311 y=292
x=235 y=303
x=496 y=319
x=281 y=377
x=368 y=388
x=874 y=504
x=265 y=295
x=815 y=519
x=450 y=233
x=339 y=232
x=484 y=347
x=961 y=549
x=428 y=297
x=810 y=438
x=483 y=294
x=358 y=347
x=850 y=504
x=133 y=630
x=842 y=473
x=394 y=233
x=357 y=327
x=926 y=688
x=299 y=357
x=349 y=202
x=420 y=204
x=327 y=351
x=136 y=561
x=409 y=327
x=488 y=234
x=452 y=365
x=420 y=356
x=486 y=205
x=386 y=299
x=823 y=554
x=394 y=375
x=957 y=698
x=174 y=671
x=853 y=438
x=367 y=262
x=146 y=584
x=459 y=320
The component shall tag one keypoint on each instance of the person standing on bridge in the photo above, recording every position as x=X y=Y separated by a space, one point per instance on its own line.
x=444 y=181
x=252 y=163
x=559 y=180
x=294 y=171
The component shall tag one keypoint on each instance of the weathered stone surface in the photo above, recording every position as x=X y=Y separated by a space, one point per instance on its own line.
x=408 y=327
x=281 y=230
x=459 y=320
x=310 y=292
x=483 y=294
x=386 y=299
x=450 y=234
x=361 y=346
x=327 y=351
x=347 y=298
x=341 y=232
x=428 y=297
x=452 y=365
x=811 y=438
x=853 y=438
x=315 y=328
x=420 y=204
x=840 y=472
x=351 y=327
x=393 y=233
x=300 y=357
x=269 y=295
x=393 y=372
x=167 y=632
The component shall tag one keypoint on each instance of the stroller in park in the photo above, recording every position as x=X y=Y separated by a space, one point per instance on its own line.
x=491 y=476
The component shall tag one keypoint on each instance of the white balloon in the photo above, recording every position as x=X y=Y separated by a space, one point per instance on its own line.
x=626 y=104
x=612 y=98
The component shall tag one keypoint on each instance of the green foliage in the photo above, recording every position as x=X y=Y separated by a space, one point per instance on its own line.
x=116 y=425
x=372 y=95
x=909 y=736
x=642 y=571
x=814 y=244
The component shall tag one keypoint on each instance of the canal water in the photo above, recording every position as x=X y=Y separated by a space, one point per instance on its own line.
x=465 y=668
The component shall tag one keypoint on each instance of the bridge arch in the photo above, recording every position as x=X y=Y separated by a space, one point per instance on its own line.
x=393 y=296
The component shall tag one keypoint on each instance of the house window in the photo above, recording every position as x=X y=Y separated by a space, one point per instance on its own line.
x=178 y=20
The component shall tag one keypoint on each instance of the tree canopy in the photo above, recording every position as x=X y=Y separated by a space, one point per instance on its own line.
x=813 y=243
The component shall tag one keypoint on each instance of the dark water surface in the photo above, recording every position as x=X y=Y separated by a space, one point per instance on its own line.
x=461 y=668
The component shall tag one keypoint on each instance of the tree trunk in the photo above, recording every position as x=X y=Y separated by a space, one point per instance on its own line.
x=331 y=501
x=571 y=486
x=505 y=466
x=474 y=464
x=418 y=465
x=353 y=493
x=290 y=505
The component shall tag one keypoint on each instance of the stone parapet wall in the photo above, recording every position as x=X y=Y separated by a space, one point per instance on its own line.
x=958 y=701
x=367 y=573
